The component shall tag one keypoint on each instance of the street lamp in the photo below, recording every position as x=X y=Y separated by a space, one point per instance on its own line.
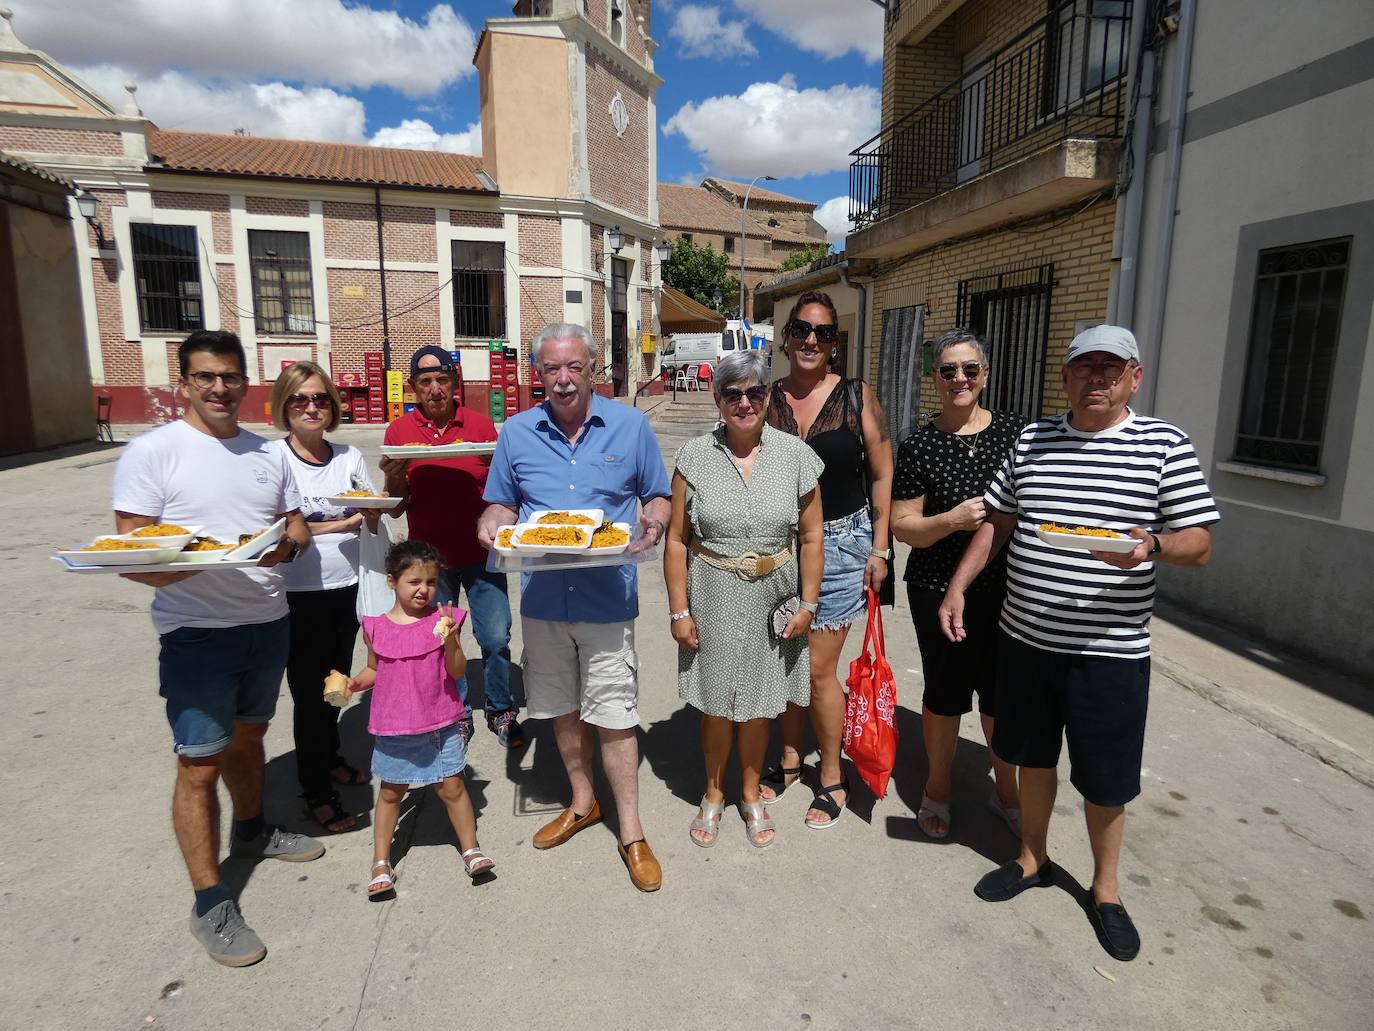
x=743 y=224
x=663 y=250
x=616 y=239
x=88 y=204
x=715 y=300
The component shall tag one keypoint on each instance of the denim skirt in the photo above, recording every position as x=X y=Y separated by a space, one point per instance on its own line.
x=417 y=759
x=848 y=543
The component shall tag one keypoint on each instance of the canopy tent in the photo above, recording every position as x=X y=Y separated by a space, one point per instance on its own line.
x=681 y=314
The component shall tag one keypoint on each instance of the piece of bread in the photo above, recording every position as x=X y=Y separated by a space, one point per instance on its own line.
x=336 y=688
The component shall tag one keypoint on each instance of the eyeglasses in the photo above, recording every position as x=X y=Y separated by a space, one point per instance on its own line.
x=971 y=370
x=206 y=380
x=1109 y=371
x=800 y=329
x=300 y=402
x=733 y=395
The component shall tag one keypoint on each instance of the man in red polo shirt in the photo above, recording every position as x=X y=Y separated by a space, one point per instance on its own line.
x=443 y=498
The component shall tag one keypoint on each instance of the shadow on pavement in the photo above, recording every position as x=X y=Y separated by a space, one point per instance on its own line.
x=52 y=454
x=673 y=749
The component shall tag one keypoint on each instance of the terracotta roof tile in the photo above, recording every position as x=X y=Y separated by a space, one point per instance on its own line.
x=35 y=170
x=760 y=195
x=692 y=207
x=305 y=159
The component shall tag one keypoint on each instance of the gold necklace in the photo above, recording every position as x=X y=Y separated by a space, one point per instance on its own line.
x=972 y=448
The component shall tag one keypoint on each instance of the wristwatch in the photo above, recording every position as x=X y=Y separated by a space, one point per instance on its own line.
x=811 y=606
x=676 y=616
x=1155 y=548
x=290 y=556
x=883 y=553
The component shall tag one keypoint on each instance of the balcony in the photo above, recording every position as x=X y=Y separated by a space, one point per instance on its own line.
x=910 y=21
x=1047 y=106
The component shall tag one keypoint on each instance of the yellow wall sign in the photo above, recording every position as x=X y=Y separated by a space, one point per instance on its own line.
x=353 y=293
x=650 y=344
x=394 y=386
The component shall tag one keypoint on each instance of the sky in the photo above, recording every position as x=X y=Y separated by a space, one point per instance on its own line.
x=774 y=87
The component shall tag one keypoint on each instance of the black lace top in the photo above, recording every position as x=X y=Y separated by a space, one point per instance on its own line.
x=837 y=438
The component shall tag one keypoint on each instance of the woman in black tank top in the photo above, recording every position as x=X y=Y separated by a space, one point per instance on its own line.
x=842 y=422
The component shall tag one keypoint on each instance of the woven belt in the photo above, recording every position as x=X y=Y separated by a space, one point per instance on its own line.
x=749 y=566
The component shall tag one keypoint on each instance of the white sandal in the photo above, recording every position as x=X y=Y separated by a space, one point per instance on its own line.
x=707 y=823
x=384 y=883
x=756 y=822
x=932 y=810
x=476 y=863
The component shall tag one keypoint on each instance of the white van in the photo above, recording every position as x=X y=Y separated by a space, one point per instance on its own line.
x=692 y=349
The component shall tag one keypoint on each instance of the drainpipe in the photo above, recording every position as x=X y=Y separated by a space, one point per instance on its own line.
x=381 y=276
x=860 y=345
x=1177 y=113
x=1121 y=308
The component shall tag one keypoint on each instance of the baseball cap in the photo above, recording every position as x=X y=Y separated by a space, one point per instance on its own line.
x=431 y=351
x=1115 y=340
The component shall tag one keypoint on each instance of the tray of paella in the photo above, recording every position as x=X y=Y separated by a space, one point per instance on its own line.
x=168 y=548
x=1085 y=538
x=574 y=539
x=454 y=449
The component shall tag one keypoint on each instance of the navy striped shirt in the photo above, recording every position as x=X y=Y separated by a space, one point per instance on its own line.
x=1140 y=472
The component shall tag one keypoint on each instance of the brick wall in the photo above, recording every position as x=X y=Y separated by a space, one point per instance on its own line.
x=541 y=302
x=408 y=233
x=913 y=74
x=350 y=231
x=215 y=203
x=598 y=326
x=475 y=219
x=541 y=241
x=288 y=207
x=228 y=297
x=619 y=166
x=356 y=323
x=123 y=359
x=42 y=140
x=1080 y=250
x=108 y=199
x=981 y=28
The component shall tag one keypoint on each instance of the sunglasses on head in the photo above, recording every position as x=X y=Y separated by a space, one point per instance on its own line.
x=800 y=329
x=300 y=402
x=969 y=369
x=733 y=395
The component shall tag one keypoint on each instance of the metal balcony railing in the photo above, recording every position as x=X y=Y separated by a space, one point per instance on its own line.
x=1061 y=77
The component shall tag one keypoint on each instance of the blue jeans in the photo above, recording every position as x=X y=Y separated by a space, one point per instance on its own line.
x=489 y=608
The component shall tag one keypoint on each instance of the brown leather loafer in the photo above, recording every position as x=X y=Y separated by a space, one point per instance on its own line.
x=645 y=873
x=564 y=826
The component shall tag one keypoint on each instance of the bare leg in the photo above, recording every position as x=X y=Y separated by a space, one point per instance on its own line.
x=717 y=737
x=195 y=818
x=384 y=816
x=827 y=708
x=620 y=760
x=753 y=744
x=1106 y=828
x=1003 y=772
x=792 y=723
x=453 y=793
x=1038 y=788
x=941 y=735
x=575 y=745
x=242 y=765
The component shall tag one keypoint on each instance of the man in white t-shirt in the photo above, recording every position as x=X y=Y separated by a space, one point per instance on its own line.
x=224 y=634
x=1073 y=658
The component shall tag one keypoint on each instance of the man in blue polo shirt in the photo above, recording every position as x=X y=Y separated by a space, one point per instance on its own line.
x=577 y=450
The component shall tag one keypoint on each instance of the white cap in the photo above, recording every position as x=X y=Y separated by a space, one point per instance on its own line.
x=1115 y=340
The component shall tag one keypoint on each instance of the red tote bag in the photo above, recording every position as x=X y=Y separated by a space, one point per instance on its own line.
x=870 y=713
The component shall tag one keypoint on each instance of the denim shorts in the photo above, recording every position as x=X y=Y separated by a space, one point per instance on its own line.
x=417 y=759
x=212 y=677
x=848 y=543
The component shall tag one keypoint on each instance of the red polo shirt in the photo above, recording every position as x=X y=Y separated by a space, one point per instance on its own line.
x=446 y=493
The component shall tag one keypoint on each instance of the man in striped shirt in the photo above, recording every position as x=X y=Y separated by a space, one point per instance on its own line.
x=1074 y=653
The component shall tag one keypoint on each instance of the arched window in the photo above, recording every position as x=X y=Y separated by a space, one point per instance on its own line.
x=617 y=22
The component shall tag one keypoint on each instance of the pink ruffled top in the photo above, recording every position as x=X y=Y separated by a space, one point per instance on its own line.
x=414 y=693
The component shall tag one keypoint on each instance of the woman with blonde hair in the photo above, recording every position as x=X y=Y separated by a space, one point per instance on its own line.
x=321 y=585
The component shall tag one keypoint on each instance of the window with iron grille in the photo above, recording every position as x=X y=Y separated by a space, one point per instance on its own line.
x=479 y=289
x=1010 y=310
x=283 y=293
x=166 y=278
x=1293 y=329
x=899 y=368
x=1085 y=49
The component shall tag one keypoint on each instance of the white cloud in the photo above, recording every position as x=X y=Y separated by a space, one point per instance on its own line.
x=177 y=101
x=417 y=134
x=701 y=33
x=834 y=215
x=776 y=129
x=831 y=28
x=327 y=42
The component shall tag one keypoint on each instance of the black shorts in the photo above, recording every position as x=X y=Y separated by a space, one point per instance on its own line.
x=955 y=672
x=1097 y=703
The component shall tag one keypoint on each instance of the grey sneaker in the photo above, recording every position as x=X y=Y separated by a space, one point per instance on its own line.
x=509 y=733
x=277 y=843
x=226 y=937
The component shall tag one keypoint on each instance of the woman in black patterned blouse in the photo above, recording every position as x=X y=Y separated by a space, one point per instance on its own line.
x=942 y=472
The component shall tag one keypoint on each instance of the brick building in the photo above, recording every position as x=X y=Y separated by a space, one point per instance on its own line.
x=330 y=251
x=775 y=227
x=988 y=197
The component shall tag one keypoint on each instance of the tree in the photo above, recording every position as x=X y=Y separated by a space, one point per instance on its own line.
x=701 y=272
x=804 y=257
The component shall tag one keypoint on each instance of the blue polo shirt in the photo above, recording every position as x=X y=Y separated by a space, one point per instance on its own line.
x=615 y=466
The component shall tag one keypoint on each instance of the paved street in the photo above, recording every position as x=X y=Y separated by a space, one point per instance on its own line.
x=1249 y=863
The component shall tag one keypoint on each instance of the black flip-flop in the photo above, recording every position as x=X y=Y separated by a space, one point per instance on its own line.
x=776 y=778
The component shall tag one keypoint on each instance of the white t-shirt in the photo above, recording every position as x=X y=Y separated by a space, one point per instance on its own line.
x=177 y=474
x=332 y=559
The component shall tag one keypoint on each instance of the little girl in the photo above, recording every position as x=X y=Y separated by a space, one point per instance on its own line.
x=413 y=663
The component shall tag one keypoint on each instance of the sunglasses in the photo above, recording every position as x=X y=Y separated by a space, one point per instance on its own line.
x=733 y=395
x=300 y=402
x=971 y=370
x=800 y=329
x=206 y=380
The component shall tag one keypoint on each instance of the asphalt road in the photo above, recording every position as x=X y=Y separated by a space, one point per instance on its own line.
x=1247 y=866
